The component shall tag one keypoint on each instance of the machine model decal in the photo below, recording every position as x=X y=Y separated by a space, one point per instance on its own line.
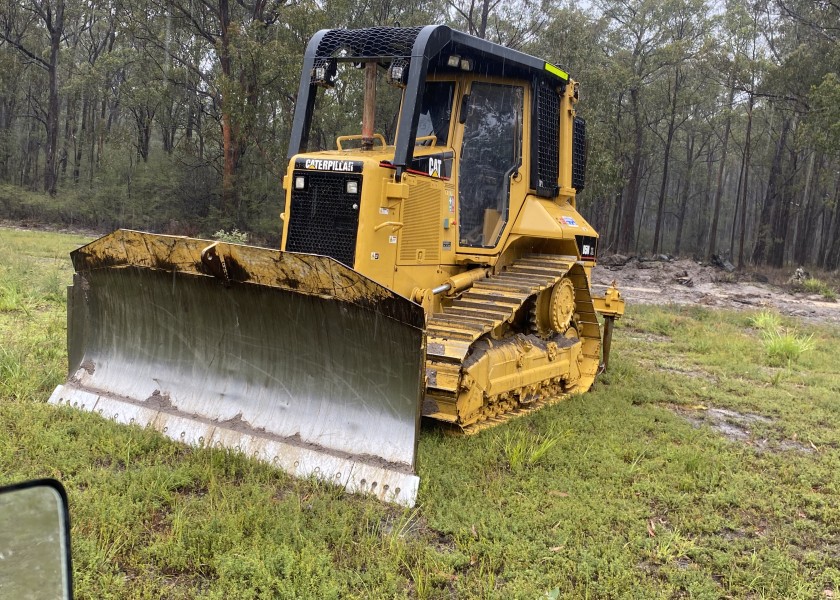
x=340 y=166
x=435 y=165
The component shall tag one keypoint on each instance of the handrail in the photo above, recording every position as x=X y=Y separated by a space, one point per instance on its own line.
x=358 y=136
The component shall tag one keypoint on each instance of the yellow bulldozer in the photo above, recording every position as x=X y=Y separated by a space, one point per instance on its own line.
x=444 y=273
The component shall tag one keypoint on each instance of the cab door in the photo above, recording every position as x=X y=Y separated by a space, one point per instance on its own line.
x=491 y=162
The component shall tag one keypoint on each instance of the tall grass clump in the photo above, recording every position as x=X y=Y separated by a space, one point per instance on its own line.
x=812 y=285
x=766 y=320
x=521 y=449
x=783 y=346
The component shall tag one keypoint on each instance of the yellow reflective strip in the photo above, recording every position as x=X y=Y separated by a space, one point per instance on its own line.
x=559 y=72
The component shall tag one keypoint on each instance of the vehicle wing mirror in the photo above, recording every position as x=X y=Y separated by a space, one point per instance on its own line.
x=35 y=541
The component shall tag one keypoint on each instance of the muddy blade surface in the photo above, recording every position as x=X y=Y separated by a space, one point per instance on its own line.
x=295 y=359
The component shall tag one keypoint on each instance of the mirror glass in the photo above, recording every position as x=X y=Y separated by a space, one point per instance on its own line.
x=34 y=549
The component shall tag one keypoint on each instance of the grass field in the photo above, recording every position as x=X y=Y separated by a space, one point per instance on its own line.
x=706 y=464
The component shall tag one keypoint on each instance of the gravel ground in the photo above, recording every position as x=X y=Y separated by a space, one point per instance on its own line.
x=685 y=281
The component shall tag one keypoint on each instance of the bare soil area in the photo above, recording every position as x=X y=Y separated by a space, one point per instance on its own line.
x=686 y=281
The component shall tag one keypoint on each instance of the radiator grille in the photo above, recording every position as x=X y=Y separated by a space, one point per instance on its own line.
x=324 y=218
x=548 y=149
x=579 y=154
x=421 y=215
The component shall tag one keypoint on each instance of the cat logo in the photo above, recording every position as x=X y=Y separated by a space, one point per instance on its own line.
x=434 y=166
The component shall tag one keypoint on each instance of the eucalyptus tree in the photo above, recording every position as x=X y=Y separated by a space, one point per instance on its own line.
x=687 y=23
x=637 y=30
x=29 y=27
x=795 y=45
x=513 y=23
x=574 y=40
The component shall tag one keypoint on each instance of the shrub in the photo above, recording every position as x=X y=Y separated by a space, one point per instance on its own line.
x=234 y=236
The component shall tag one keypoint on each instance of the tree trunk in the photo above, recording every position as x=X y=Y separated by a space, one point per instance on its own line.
x=719 y=192
x=746 y=187
x=626 y=236
x=56 y=31
x=832 y=260
x=230 y=131
x=803 y=242
x=782 y=216
x=660 y=210
x=699 y=242
x=7 y=111
x=737 y=208
x=79 y=142
x=764 y=231
x=143 y=118
x=686 y=192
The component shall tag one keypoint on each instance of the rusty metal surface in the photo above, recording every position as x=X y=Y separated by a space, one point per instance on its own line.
x=306 y=274
x=293 y=356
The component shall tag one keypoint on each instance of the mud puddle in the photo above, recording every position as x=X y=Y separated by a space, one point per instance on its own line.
x=739 y=427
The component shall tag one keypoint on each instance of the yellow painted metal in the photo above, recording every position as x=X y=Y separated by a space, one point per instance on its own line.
x=542 y=218
x=499 y=367
x=611 y=304
x=351 y=138
x=567 y=118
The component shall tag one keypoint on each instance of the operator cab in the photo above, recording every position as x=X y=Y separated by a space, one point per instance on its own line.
x=477 y=122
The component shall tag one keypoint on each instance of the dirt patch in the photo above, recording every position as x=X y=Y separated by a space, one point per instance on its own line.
x=416 y=527
x=685 y=281
x=738 y=427
x=678 y=369
x=643 y=336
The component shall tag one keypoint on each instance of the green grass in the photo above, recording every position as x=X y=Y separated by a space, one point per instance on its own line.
x=766 y=320
x=812 y=285
x=613 y=494
x=784 y=345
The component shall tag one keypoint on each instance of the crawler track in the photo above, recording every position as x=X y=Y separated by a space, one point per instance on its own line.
x=489 y=312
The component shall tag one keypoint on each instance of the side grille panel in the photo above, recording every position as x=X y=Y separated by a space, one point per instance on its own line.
x=421 y=215
x=322 y=218
x=579 y=154
x=548 y=150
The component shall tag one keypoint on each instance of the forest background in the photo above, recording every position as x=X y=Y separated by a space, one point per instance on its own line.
x=713 y=126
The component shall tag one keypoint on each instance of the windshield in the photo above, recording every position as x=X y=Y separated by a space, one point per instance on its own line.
x=436 y=111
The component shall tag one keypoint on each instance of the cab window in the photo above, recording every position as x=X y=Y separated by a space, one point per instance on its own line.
x=491 y=153
x=436 y=111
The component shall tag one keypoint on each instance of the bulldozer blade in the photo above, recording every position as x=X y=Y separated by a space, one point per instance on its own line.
x=294 y=359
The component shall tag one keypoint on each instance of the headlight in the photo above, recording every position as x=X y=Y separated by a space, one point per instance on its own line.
x=300 y=183
x=352 y=187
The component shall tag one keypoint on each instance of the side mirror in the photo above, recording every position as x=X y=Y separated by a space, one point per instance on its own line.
x=35 y=541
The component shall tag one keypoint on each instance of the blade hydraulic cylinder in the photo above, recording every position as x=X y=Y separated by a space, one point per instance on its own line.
x=292 y=358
